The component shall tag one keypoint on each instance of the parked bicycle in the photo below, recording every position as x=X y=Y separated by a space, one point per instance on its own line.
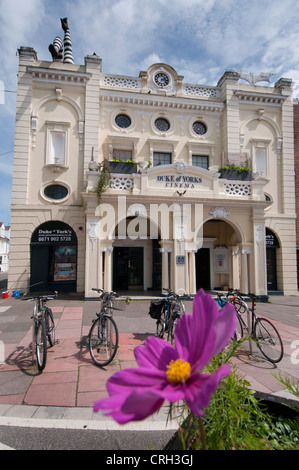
x=43 y=328
x=167 y=311
x=103 y=335
x=256 y=328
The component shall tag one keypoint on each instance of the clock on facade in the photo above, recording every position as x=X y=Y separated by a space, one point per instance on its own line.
x=161 y=79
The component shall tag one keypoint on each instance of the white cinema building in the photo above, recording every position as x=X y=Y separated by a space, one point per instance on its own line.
x=175 y=218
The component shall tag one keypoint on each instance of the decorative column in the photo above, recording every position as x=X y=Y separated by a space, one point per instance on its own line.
x=244 y=271
x=108 y=268
x=260 y=261
x=165 y=264
x=235 y=276
x=192 y=272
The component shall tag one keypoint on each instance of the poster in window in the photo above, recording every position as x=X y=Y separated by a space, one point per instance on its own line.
x=221 y=260
x=64 y=271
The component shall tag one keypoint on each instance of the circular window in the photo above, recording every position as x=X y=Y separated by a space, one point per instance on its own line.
x=162 y=124
x=123 y=121
x=199 y=128
x=55 y=191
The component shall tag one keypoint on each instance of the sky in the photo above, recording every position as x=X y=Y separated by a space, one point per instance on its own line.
x=200 y=39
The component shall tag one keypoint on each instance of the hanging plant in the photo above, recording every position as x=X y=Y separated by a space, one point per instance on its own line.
x=104 y=179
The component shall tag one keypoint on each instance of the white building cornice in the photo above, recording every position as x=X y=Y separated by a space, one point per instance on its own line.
x=166 y=102
x=261 y=98
x=69 y=77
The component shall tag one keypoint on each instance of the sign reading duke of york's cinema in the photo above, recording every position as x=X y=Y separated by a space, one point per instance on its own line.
x=179 y=182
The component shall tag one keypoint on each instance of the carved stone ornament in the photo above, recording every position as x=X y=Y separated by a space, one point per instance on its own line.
x=260 y=234
x=219 y=212
x=255 y=78
x=180 y=166
x=136 y=210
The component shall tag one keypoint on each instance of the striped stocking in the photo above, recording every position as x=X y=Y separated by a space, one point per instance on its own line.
x=67 y=43
x=56 y=49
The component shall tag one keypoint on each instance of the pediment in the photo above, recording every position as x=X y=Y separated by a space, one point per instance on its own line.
x=180 y=176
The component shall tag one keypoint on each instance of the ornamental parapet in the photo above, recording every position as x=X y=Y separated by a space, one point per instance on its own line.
x=179 y=181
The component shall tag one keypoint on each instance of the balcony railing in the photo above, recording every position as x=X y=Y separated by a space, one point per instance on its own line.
x=138 y=184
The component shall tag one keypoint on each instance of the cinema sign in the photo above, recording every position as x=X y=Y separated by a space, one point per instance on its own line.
x=179 y=181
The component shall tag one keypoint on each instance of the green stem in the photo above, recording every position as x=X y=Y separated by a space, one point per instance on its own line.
x=202 y=434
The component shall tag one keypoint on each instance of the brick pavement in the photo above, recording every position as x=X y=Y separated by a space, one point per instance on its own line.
x=71 y=380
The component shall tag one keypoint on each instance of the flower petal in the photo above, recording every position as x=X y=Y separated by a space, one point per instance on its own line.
x=225 y=327
x=134 y=406
x=155 y=353
x=206 y=385
x=195 y=334
x=126 y=380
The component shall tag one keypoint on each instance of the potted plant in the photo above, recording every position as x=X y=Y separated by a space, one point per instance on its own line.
x=234 y=172
x=123 y=166
x=104 y=179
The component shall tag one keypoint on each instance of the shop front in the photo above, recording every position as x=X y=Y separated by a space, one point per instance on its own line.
x=53 y=258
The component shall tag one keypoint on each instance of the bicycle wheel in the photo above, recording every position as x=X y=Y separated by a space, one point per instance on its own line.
x=239 y=329
x=103 y=340
x=268 y=340
x=161 y=325
x=50 y=326
x=240 y=306
x=41 y=344
x=171 y=328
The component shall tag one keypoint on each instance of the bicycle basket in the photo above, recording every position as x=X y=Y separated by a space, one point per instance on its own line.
x=121 y=304
x=156 y=307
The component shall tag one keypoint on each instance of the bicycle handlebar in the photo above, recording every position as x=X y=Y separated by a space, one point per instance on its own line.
x=40 y=297
x=105 y=292
x=177 y=296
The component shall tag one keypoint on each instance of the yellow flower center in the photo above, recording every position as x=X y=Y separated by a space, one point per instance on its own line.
x=178 y=371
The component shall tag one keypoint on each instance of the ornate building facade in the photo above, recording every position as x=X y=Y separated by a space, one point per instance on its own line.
x=178 y=217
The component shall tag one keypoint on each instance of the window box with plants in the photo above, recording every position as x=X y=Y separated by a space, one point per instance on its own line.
x=234 y=172
x=123 y=166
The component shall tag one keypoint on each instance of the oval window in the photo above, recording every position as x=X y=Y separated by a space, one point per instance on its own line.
x=199 y=128
x=162 y=124
x=55 y=191
x=123 y=121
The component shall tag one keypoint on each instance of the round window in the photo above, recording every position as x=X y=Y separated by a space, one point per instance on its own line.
x=123 y=121
x=199 y=128
x=55 y=191
x=162 y=124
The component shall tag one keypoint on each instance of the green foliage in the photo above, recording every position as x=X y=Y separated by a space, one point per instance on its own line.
x=232 y=166
x=123 y=161
x=237 y=420
x=104 y=179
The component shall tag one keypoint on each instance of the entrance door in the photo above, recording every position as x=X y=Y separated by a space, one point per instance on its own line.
x=271 y=269
x=128 y=268
x=53 y=258
x=202 y=259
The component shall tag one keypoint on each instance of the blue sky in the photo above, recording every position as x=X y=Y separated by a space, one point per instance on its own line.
x=200 y=39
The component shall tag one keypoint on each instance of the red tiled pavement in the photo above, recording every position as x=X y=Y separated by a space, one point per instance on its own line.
x=71 y=379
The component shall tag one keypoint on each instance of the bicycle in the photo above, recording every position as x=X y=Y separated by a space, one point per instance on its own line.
x=240 y=306
x=103 y=336
x=43 y=328
x=172 y=309
x=259 y=329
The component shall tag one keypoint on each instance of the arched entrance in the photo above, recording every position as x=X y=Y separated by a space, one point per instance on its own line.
x=214 y=264
x=137 y=260
x=272 y=245
x=53 y=258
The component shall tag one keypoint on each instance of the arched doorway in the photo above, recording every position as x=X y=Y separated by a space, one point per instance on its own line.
x=53 y=258
x=272 y=244
x=137 y=259
x=213 y=261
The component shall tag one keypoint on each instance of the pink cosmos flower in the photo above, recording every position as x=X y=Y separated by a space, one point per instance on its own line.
x=174 y=373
